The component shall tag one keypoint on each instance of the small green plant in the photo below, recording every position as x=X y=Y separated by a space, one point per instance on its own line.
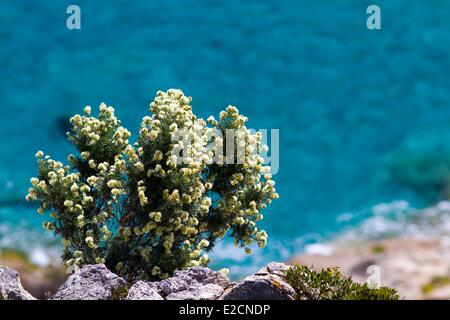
x=378 y=249
x=141 y=210
x=120 y=293
x=330 y=284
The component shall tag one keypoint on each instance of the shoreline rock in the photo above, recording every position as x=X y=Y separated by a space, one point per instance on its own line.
x=96 y=282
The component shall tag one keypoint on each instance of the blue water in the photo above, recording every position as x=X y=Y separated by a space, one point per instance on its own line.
x=350 y=103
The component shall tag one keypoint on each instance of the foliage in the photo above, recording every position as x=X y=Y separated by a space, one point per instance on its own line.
x=140 y=209
x=330 y=284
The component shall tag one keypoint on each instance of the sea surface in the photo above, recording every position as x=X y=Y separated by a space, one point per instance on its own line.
x=363 y=114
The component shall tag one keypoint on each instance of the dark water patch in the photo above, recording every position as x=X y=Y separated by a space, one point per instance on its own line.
x=62 y=124
x=421 y=163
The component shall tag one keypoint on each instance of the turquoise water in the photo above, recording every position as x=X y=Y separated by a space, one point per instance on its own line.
x=363 y=115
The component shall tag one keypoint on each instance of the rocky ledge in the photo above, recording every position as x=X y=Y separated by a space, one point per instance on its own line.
x=96 y=282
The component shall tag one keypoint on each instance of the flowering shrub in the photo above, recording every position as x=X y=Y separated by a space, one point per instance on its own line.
x=160 y=204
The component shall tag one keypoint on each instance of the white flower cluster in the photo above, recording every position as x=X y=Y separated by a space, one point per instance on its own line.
x=71 y=204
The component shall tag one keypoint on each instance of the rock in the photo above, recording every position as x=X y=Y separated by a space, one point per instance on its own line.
x=11 y=287
x=96 y=282
x=92 y=282
x=143 y=291
x=276 y=268
x=266 y=284
x=194 y=277
x=197 y=292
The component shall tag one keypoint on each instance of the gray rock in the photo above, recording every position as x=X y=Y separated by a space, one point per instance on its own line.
x=11 y=287
x=276 y=268
x=92 y=282
x=266 y=284
x=143 y=291
x=207 y=292
x=195 y=277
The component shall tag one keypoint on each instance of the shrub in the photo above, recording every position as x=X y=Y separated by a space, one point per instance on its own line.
x=140 y=209
x=330 y=284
